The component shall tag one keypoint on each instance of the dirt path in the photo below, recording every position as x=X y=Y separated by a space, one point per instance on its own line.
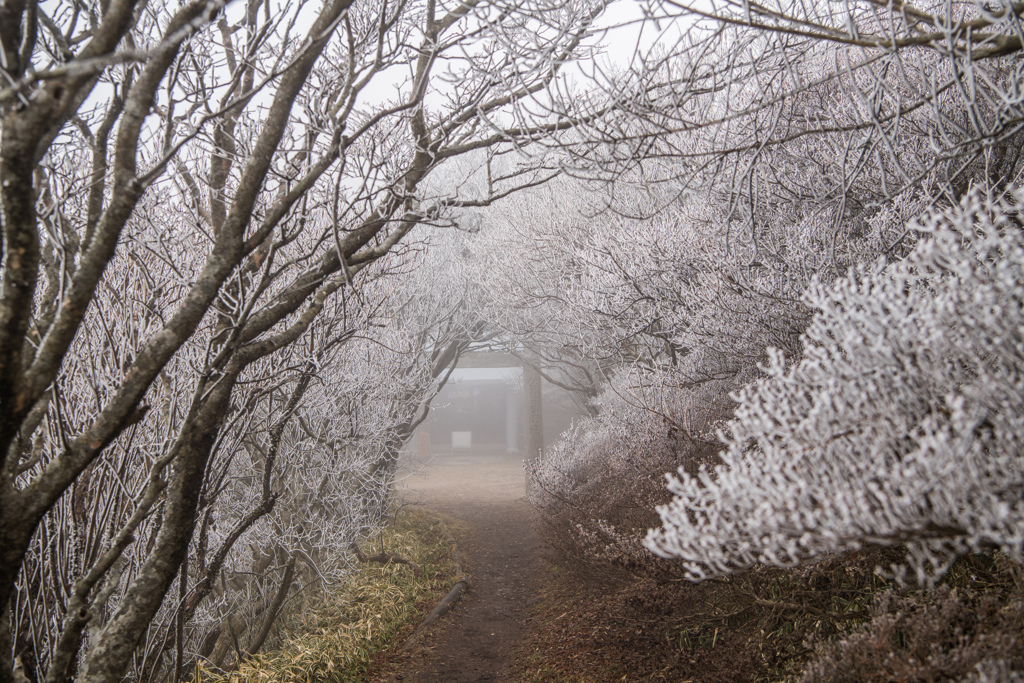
x=501 y=556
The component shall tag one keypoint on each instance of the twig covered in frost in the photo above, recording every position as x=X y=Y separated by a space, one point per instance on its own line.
x=900 y=424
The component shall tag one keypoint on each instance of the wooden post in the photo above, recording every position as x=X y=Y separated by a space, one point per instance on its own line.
x=534 y=415
x=511 y=420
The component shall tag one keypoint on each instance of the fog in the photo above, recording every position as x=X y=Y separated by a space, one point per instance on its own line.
x=484 y=410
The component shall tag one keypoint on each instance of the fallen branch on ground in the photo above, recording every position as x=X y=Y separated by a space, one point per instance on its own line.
x=461 y=584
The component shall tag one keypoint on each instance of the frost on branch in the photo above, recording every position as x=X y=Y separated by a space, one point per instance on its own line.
x=902 y=422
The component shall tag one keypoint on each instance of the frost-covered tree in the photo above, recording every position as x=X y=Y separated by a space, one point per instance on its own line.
x=593 y=291
x=822 y=110
x=901 y=423
x=191 y=195
x=655 y=323
x=755 y=148
x=302 y=470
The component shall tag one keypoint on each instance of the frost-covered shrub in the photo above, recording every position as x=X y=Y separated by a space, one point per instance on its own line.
x=598 y=485
x=903 y=421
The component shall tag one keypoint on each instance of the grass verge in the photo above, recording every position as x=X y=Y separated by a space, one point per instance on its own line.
x=334 y=637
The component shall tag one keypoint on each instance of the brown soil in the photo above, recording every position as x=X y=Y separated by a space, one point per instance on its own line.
x=532 y=615
x=500 y=553
x=525 y=620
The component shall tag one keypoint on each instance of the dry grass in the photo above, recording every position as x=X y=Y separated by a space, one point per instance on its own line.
x=834 y=619
x=971 y=627
x=337 y=636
